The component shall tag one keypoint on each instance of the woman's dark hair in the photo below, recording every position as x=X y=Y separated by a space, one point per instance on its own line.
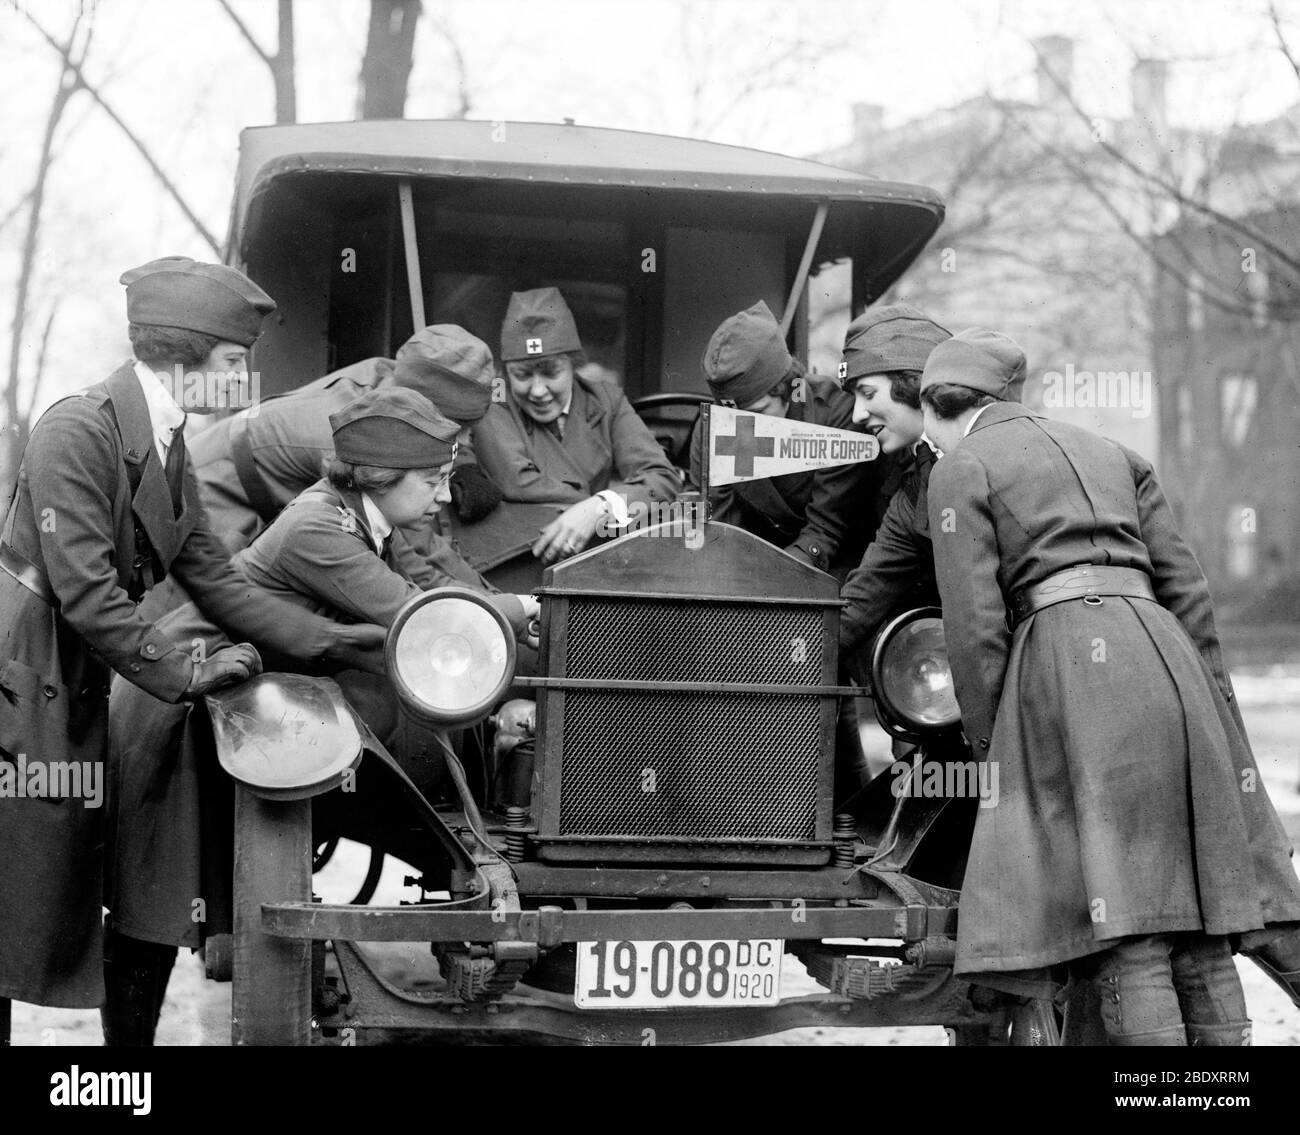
x=156 y=346
x=361 y=478
x=905 y=387
x=948 y=401
x=785 y=387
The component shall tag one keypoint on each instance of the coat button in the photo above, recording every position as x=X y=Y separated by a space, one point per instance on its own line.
x=135 y=667
x=49 y=691
x=149 y=650
x=984 y=742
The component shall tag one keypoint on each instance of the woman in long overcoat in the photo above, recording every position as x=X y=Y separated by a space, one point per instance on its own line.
x=1132 y=832
x=98 y=517
x=329 y=552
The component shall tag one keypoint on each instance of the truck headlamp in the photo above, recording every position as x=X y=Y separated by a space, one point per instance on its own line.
x=450 y=655
x=910 y=675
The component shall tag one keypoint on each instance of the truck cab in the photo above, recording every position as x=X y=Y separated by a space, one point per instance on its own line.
x=680 y=837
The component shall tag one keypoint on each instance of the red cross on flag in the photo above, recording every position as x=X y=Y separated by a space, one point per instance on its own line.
x=748 y=447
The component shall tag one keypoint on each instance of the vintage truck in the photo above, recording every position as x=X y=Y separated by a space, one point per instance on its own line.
x=681 y=838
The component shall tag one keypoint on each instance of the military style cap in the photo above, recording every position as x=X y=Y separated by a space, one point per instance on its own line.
x=538 y=323
x=747 y=356
x=987 y=361
x=393 y=428
x=884 y=339
x=176 y=291
x=451 y=368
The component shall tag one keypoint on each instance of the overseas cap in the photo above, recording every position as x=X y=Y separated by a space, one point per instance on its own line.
x=883 y=339
x=451 y=368
x=982 y=360
x=538 y=323
x=393 y=428
x=176 y=291
x=747 y=356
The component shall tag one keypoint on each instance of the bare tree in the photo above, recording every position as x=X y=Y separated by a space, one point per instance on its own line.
x=281 y=62
x=17 y=410
x=81 y=83
x=386 y=66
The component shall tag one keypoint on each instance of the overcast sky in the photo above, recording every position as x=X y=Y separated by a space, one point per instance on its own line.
x=180 y=74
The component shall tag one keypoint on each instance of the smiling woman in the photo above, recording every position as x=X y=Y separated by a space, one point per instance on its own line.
x=566 y=439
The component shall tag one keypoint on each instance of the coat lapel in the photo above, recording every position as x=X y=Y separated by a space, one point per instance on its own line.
x=152 y=502
x=581 y=450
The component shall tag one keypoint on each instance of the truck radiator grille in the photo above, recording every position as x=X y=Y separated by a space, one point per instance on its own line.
x=696 y=642
x=701 y=766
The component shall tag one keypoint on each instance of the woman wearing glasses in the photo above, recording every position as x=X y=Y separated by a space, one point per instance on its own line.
x=169 y=821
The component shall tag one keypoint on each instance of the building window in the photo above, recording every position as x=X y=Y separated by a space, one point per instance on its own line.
x=1238 y=394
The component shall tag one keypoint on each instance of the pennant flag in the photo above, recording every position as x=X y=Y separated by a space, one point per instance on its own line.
x=748 y=447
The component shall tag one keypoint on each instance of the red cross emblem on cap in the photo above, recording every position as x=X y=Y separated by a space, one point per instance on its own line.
x=844 y=370
x=533 y=346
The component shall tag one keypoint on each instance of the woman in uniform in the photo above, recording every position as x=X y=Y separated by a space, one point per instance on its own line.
x=1132 y=836
x=564 y=439
x=822 y=517
x=330 y=552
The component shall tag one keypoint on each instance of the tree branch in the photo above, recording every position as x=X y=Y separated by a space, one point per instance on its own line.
x=248 y=35
x=1281 y=38
x=83 y=84
x=1171 y=190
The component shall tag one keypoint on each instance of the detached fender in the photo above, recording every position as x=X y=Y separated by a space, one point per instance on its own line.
x=285 y=736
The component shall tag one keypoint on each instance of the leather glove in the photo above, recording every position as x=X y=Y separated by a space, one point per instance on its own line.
x=226 y=667
x=473 y=493
x=358 y=646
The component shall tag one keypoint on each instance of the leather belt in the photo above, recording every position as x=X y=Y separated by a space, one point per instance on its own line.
x=1083 y=581
x=14 y=563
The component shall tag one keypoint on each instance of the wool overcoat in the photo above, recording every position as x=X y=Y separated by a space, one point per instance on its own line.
x=287 y=440
x=170 y=808
x=1128 y=801
x=605 y=446
x=74 y=519
x=897 y=570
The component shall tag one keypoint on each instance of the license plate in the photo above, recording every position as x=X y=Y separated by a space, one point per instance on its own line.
x=689 y=974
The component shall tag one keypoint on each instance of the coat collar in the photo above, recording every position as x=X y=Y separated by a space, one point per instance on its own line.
x=1001 y=412
x=583 y=404
x=152 y=502
x=351 y=503
x=133 y=421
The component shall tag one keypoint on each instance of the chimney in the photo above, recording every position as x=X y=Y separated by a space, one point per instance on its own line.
x=868 y=119
x=1055 y=69
x=1147 y=82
